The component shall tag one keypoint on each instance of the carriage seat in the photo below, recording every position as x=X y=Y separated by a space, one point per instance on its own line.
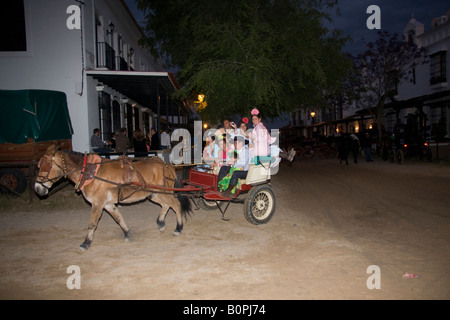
x=257 y=174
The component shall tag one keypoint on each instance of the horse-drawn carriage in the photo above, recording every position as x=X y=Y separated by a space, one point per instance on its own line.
x=105 y=183
x=259 y=202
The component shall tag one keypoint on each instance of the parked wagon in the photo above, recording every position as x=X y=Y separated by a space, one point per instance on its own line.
x=30 y=122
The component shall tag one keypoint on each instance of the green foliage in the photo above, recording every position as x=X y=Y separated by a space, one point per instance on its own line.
x=241 y=54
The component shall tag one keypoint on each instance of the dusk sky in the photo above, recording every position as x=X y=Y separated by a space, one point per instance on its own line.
x=353 y=17
x=394 y=17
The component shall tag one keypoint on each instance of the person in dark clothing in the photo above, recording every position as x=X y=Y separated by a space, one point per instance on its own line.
x=122 y=142
x=386 y=146
x=355 y=147
x=98 y=145
x=154 y=140
x=343 y=148
x=368 y=147
x=139 y=144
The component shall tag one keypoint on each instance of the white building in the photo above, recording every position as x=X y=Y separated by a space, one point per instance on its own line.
x=89 y=50
x=425 y=95
x=427 y=92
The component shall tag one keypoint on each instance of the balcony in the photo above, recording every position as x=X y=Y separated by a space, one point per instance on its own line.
x=105 y=56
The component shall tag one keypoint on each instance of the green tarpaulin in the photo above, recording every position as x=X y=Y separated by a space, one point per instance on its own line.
x=38 y=114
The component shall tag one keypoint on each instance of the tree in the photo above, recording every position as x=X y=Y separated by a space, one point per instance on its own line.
x=379 y=69
x=273 y=55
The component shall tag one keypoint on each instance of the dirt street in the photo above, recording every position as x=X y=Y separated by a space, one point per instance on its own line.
x=332 y=223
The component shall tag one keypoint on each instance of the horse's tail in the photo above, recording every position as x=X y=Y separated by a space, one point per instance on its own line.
x=185 y=203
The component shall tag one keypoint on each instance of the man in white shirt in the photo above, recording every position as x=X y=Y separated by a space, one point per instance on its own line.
x=165 y=144
x=165 y=139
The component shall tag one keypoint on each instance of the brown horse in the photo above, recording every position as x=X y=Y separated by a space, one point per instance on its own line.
x=112 y=181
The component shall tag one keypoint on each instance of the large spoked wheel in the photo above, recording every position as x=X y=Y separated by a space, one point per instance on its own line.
x=260 y=205
x=208 y=204
x=12 y=180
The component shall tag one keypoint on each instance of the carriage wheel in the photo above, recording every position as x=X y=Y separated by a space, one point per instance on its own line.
x=260 y=204
x=12 y=180
x=208 y=204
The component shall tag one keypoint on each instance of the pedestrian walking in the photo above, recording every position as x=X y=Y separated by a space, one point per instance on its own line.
x=368 y=147
x=355 y=147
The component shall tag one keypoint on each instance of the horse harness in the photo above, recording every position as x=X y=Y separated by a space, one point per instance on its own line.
x=133 y=181
x=130 y=174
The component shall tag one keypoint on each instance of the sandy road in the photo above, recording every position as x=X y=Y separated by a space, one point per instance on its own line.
x=332 y=223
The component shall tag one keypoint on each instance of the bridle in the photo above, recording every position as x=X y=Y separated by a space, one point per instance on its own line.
x=44 y=177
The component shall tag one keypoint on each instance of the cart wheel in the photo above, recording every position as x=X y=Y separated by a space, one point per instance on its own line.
x=208 y=204
x=12 y=180
x=260 y=204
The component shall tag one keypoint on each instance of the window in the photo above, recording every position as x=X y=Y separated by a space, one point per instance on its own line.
x=146 y=122
x=116 y=116
x=12 y=24
x=104 y=105
x=137 y=125
x=438 y=67
x=129 y=116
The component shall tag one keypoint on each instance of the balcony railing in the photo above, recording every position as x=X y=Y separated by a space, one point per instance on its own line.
x=105 y=56
x=121 y=64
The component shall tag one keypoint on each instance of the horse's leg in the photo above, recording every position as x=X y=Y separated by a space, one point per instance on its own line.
x=168 y=201
x=173 y=203
x=96 y=213
x=117 y=216
x=161 y=220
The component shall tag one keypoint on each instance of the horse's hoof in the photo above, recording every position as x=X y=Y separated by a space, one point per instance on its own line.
x=161 y=225
x=84 y=247
x=128 y=237
x=176 y=233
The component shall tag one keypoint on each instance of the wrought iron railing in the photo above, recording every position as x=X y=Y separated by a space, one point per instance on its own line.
x=121 y=64
x=105 y=56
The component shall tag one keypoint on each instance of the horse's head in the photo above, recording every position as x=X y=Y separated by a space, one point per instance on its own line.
x=50 y=170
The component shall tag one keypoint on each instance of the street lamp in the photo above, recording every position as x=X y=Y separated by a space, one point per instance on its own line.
x=312 y=123
x=312 y=116
x=110 y=29
x=200 y=103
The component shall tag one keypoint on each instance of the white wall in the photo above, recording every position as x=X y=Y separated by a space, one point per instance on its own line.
x=54 y=60
x=52 y=63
